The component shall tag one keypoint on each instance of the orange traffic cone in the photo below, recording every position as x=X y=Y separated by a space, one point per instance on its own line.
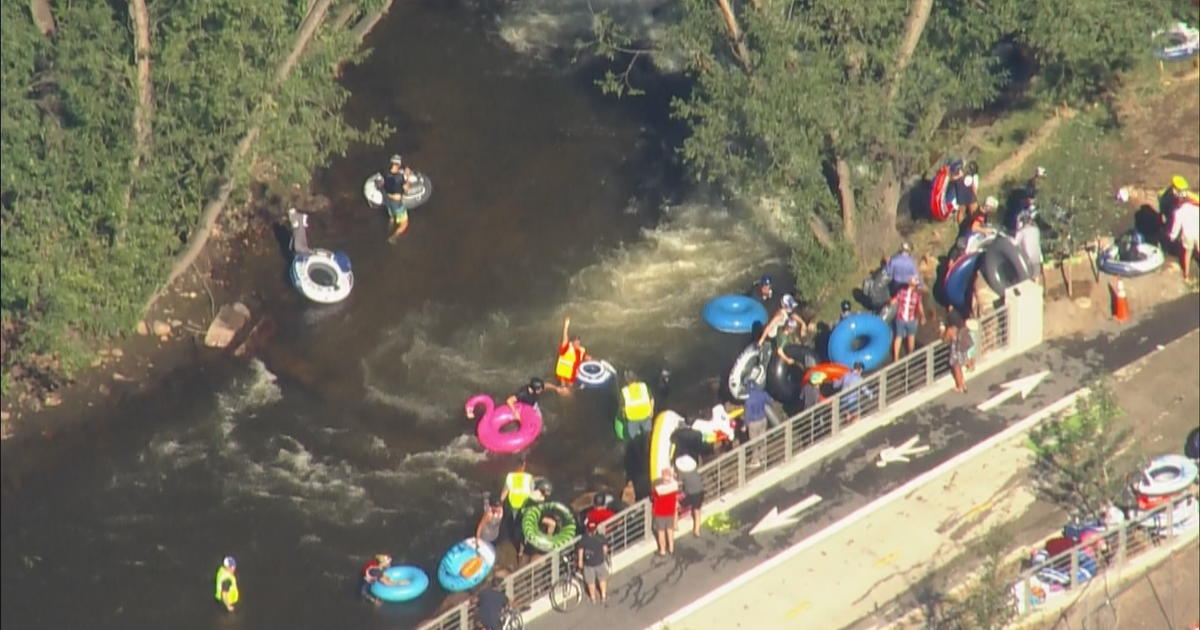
x=1120 y=304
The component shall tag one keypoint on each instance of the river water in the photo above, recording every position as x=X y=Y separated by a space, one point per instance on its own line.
x=345 y=437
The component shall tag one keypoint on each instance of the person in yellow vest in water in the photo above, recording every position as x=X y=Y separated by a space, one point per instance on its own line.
x=637 y=406
x=570 y=354
x=227 y=588
x=518 y=486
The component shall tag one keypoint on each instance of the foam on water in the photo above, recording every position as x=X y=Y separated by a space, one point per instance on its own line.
x=639 y=303
x=545 y=27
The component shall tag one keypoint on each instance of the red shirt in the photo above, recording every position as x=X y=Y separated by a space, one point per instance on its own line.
x=666 y=504
x=598 y=515
x=908 y=300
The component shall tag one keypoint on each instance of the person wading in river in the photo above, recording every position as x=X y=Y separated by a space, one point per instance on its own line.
x=571 y=354
x=397 y=183
x=227 y=588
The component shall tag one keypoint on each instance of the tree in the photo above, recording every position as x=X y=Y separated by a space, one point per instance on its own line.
x=1079 y=457
x=986 y=603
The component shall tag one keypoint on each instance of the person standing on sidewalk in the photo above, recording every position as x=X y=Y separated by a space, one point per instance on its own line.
x=754 y=417
x=959 y=339
x=665 y=503
x=592 y=557
x=910 y=313
x=693 y=489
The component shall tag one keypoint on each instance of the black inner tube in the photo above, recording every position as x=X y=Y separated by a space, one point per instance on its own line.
x=1003 y=265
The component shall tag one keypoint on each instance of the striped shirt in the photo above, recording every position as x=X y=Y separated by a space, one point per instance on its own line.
x=908 y=301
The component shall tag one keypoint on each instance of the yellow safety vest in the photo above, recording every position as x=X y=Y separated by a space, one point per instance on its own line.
x=224 y=574
x=568 y=363
x=519 y=486
x=639 y=406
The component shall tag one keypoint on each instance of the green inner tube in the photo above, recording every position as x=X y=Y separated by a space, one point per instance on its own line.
x=531 y=525
x=619 y=427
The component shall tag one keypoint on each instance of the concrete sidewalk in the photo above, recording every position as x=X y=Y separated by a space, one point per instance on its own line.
x=858 y=563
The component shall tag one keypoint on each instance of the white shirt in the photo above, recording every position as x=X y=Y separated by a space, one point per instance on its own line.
x=1187 y=222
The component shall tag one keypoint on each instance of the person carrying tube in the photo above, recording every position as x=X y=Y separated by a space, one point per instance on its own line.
x=227 y=588
x=637 y=406
x=571 y=354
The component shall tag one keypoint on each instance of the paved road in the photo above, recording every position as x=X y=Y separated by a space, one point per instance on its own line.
x=652 y=589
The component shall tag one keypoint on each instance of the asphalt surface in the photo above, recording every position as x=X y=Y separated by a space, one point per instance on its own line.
x=653 y=588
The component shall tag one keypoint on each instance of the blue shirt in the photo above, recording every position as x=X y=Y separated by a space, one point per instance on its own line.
x=756 y=405
x=901 y=268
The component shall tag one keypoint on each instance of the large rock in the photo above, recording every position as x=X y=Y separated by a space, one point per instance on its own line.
x=225 y=327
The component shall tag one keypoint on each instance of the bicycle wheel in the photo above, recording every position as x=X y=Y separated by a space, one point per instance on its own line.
x=566 y=594
x=513 y=620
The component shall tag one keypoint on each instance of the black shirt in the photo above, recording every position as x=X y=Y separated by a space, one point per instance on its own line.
x=393 y=183
x=527 y=395
x=491 y=603
x=963 y=193
x=593 y=549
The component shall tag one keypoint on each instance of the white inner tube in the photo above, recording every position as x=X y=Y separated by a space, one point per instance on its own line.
x=418 y=190
x=1167 y=474
x=594 y=373
x=322 y=277
x=1182 y=42
x=1110 y=262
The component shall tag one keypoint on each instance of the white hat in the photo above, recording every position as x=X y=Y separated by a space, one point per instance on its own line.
x=685 y=463
x=1041 y=172
x=991 y=202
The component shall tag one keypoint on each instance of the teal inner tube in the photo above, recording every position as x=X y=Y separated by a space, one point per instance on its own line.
x=413 y=582
x=531 y=526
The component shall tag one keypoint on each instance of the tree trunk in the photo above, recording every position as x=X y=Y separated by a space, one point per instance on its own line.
x=735 y=34
x=143 y=108
x=845 y=197
x=43 y=16
x=918 y=17
x=212 y=211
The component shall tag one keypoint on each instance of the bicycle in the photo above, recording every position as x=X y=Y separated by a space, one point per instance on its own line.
x=567 y=592
x=511 y=619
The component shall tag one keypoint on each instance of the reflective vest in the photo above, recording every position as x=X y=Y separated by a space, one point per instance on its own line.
x=224 y=575
x=638 y=405
x=568 y=362
x=519 y=486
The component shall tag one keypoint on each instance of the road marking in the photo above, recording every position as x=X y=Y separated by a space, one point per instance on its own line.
x=864 y=511
x=888 y=559
x=1022 y=386
x=900 y=453
x=797 y=609
x=776 y=518
x=978 y=508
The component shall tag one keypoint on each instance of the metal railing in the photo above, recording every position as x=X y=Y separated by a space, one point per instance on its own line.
x=1074 y=569
x=732 y=470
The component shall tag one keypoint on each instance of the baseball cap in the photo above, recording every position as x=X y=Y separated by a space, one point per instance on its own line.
x=788 y=301
x=817 y=378
x=1041 y=172
x=230 y=562
x=685 y=463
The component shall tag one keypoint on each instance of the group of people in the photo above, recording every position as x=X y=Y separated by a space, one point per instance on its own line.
x=1180 y=218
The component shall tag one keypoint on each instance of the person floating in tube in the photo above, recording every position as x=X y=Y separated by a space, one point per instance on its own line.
x=227 y=588
x=530 y=393
x=396 y=183
x=571 y=354
x=372 y=572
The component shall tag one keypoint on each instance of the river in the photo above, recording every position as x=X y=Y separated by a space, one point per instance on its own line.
x=345 y=436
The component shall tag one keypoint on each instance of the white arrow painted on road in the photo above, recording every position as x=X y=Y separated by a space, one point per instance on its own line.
x=900 y=453
x=779 y=518
x=1021 y=386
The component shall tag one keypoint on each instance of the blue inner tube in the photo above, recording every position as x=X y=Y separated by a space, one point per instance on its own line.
x=734 y=313
x=416 y=584
x=957 y=283
x=865 y=328
x=450 y=569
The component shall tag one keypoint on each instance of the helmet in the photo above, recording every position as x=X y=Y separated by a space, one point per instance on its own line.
x=788 y=302
x=601 y=499
x=544 y=486
x=765 y=280
x=845 y=306
x=396 y=159
x=537 y=384
x=991 y=202
x=1179 y=183
x=229 y=562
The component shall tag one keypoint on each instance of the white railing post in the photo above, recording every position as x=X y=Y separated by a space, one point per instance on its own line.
x=835 y=411
x=929 y=371
x=741 y=464
x=883 y=385
x=787 y=439
x=647 y=521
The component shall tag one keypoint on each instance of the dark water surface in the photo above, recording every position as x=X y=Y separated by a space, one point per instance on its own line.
x=346 y=437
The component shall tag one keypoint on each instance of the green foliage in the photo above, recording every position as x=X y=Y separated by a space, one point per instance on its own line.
x=1075 y=197
x=987 y=602
x=85 y=238
x=1079 y=456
